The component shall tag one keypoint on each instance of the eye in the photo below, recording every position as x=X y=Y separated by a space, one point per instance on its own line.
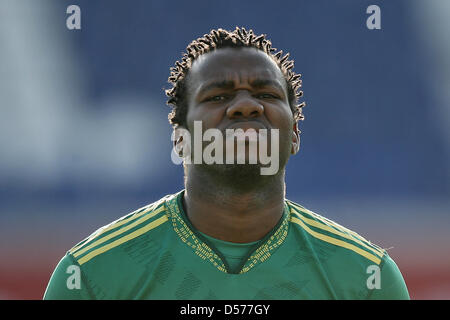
x=267 y=96
x=216 y=98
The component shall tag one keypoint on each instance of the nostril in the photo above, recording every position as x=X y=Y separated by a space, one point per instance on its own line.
x=245 y=108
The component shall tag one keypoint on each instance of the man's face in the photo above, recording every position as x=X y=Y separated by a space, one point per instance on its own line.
x=243 y=88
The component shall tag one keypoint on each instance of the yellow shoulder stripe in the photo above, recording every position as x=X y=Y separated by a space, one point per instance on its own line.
x=319 y=225
x=126 y=238
x=115 y=225
x=118 y=232
x=326 y=221
x=337 y=242
x=337 y=226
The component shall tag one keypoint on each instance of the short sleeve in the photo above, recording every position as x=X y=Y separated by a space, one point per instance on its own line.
x=67 y=282
x=392 y=285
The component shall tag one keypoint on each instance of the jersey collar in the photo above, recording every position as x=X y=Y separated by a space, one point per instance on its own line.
x=262 y=251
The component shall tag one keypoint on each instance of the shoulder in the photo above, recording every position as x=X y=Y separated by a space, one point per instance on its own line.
x=120 y=250
x=387 y=282
x=353 y=261
x=329 y=232
x=121 y=231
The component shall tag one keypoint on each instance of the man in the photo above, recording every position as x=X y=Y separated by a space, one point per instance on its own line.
x=231 y=234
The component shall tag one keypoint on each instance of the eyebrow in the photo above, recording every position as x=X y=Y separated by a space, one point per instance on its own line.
x=261 y=83
x=222 y=84
x=229 y=84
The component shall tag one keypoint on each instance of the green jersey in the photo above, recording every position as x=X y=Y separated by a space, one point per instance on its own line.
x=156 y=253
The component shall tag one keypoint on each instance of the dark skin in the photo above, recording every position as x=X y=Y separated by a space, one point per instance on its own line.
x=239 y=88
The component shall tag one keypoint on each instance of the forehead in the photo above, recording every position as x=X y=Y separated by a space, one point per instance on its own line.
x=234 y=64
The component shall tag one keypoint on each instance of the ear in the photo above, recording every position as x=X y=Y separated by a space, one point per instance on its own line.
x=181 y=142
x=178 y=144
x=177 y=138
x=295 y=139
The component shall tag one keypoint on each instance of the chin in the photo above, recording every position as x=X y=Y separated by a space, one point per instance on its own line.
x=235 y=169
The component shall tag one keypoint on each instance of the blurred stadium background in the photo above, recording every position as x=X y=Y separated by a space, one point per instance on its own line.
x=84 y=136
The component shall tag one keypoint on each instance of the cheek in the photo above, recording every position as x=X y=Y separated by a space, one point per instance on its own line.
x=210 y=117
x=283 y=120
x=280 y=117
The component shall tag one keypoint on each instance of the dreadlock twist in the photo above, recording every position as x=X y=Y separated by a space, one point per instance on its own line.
x=221 y=38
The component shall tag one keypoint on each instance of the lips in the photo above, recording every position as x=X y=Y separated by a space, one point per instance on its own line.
x=250 y=130
x=246 y=125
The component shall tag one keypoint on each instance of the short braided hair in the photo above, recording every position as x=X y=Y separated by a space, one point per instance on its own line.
x=221 y=38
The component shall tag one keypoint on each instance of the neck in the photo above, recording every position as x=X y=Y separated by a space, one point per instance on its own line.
x=236 y=208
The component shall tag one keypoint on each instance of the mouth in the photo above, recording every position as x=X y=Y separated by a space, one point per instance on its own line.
x=247 y=125
x=245 y=130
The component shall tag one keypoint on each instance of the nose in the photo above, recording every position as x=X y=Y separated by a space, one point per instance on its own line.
x=244 y=106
